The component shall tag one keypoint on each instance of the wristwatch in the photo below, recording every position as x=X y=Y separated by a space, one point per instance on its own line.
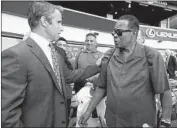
x=166 y=124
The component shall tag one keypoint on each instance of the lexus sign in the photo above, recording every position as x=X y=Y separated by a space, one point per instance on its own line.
x=151 y=33
x=160 y=34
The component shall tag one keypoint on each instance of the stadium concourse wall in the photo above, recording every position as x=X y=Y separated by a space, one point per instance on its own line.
x=14 y=28
x=76 y=25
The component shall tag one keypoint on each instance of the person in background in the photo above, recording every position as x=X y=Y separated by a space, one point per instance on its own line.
x=61 y=47
x=62 y=43
x=86 y=57
x=171 y=64
x=130 y=76
x=34 y=74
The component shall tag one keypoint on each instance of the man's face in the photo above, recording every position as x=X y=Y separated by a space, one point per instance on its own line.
x=122 y=34
x=54 y=28
x=62 y=44
x=90 y=43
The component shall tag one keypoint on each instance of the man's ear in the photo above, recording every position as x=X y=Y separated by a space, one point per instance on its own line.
x=43 y=21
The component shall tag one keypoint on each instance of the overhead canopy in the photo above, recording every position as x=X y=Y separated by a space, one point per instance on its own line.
x=149 y=14
x=100 y=8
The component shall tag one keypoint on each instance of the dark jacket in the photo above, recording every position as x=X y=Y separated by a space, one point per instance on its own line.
x=30 y=92
x=62 y=52
x=172 y=66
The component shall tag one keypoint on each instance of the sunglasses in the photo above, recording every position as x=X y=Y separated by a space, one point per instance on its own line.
x=119 y=32
x=60 y=45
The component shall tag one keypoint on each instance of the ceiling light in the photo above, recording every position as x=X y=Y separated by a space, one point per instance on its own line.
x=150 y=2
x=128 y=1
x=143 y=4
x=167 y=9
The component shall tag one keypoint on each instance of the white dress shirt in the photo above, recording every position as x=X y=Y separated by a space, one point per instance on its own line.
x=44 y=45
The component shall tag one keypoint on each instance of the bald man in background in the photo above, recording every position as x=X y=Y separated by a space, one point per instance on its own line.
x=88 y=56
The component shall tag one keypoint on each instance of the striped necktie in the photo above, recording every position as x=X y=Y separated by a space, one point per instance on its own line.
x=56 y=68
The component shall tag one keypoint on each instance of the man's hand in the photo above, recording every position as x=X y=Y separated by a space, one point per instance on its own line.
x=83 y=119
x=98 y=62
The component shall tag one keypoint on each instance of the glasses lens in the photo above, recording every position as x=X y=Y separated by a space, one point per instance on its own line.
x=118 y=32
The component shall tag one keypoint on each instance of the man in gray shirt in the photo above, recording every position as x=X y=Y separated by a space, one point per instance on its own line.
x=131 y=74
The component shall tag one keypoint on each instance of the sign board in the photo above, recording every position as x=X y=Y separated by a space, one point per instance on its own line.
x=160 y=34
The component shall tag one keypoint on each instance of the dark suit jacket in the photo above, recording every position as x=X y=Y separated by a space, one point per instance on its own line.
x=63 y=54
x=172 y=65
x=30 y=94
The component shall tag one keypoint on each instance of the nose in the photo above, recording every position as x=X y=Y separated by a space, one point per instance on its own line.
x=115 y=35
x=116 y=38
x=61 y=28
x=89 y=42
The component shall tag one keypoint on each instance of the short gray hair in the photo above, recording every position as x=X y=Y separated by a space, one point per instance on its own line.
x=38 y=9
x=133 y=21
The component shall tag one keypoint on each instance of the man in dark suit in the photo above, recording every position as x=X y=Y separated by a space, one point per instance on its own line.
x=61 y=47
x=171 y=64
x=33 y=91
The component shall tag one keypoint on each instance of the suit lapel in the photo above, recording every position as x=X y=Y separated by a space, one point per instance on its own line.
x=36 y=50
x=60 y=59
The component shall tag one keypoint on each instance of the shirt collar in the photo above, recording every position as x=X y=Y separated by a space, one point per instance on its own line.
x=137 y=52
x=41 y=41
x=87 y=51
